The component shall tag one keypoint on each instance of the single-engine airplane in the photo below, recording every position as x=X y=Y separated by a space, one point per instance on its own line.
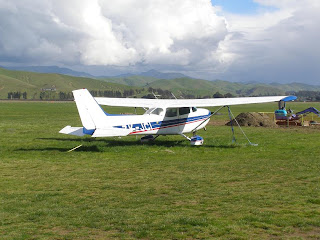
x=162 y=116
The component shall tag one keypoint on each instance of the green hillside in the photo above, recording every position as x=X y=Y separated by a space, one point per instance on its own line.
x=295 y=87
x=134 y=81
x=186 y=86
x=50 y=85
x=203 y=87
x=34 y=83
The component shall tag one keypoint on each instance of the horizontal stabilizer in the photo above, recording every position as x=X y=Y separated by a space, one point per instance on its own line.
x=111 y=132
x=76 y=131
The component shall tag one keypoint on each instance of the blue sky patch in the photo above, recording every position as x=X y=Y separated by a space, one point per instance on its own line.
x=241 y=6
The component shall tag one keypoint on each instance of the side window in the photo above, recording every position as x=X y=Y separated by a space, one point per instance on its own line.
x=172 y=112
x=184 y=110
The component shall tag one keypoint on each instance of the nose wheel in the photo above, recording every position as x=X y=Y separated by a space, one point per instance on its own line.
x=196 y=140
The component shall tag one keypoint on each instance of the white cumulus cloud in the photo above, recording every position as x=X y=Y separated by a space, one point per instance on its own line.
x=275 y=46
x=121 y=33
x=190 y=36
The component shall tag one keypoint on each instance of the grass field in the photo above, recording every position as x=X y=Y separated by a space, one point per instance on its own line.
x=118 y=188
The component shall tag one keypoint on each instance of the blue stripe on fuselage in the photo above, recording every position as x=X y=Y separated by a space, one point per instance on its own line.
x=162 y=124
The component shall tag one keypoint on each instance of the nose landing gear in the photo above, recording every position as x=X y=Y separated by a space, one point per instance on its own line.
x=196 y=140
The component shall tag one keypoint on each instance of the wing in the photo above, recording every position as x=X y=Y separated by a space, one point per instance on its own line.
x=172 y=103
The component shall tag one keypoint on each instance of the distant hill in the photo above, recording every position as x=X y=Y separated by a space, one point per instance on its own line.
x=186 y=86
x=133 y=80
x=295 y=87
x=34 y=83
x=203 y=87
x=160 y=75
x=154 y=74
x=51 y=69
x=142 y=79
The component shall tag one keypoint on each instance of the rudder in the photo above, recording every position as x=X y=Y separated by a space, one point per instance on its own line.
x=91 y=114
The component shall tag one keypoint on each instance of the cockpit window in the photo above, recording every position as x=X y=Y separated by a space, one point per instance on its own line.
x=149 y=111
x=194 y=109
x=155 y=111
x=172 y=112
x=184 y=110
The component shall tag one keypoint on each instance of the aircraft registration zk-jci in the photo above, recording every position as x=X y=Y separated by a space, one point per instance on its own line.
x=162 y=116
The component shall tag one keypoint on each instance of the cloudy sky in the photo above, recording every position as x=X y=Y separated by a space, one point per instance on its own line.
x=234 y=40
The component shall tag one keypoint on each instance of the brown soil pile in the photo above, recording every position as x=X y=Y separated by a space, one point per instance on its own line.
x=253 y=119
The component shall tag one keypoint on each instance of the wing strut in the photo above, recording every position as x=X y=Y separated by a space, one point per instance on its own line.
x=233 y=140
x=231 y=124
x=215 y=112
x=231 y=117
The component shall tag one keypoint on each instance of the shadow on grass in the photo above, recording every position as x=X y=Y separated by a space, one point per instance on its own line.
x=126 y=143
x=80 y=149
x=105 y=143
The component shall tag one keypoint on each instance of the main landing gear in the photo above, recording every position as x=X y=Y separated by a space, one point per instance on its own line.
x=148 y=138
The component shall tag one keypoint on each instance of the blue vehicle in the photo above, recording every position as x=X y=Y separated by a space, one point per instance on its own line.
x=283 y=114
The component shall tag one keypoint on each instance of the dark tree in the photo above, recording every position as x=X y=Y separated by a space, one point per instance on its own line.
x=218 y=95
x=228 y=95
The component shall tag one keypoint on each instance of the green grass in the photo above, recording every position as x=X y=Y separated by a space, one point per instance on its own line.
x=118 y=188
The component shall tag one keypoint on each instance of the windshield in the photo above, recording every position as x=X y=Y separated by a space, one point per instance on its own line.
x=155 y=111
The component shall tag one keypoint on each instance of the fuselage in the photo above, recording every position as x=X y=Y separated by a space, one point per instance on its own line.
x=160 y=121
x=163 y=117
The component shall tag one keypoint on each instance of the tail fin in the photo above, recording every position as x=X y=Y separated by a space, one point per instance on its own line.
x=91 y=114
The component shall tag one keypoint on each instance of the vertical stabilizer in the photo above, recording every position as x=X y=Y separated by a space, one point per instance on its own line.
x=91 y=114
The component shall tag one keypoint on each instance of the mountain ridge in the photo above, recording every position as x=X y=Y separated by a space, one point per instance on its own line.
x=33 y=83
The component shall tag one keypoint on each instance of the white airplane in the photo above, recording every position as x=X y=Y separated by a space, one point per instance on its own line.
x=162 y=117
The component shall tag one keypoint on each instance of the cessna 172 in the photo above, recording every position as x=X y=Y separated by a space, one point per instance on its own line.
x=162 y=117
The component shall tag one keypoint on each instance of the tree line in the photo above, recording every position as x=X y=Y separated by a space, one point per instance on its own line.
x=17 y=95
x=151 y=93
x=310 y=96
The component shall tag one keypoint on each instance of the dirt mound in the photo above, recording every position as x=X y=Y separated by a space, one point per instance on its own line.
x=253 y=119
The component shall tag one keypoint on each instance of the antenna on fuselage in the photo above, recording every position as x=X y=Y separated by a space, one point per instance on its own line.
x=156 y=96
x=173 y=95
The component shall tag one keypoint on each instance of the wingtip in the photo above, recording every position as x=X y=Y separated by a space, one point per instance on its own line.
x=289 y=98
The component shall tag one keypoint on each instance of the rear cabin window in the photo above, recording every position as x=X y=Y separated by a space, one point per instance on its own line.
x=184 y=110
x=172 y=112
